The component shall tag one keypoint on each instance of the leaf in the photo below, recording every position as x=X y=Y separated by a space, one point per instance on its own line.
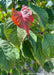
x=36 y=28
x=4 y=73
x=13 y=33
x=18 y=67
x=23 y=73
x=51 y=16
x=8 y=3
x=2 y=35
x=3 y=4
x=15 y=72
x=34 y=14
x=23 y=19
x=48 y=66
x=39 y=52
x=33 y=1
x=41 y=13
x=0 y=71
x=35 y=48
x=33 y=40
x=51 y=26
x=27 y=49
x=48 y=45
x=23 y=2
x=35 y=67
x=1 y=15
x=53 y=1
x=7 y=55
x=52 y=8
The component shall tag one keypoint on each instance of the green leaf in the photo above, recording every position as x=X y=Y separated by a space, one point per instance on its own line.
x=22 y=2
x=33 y=1
x=33 y=40
x=18 y=67
x=36 y=48
x=51 y=26
x=0 y=71
x=22 y=73
x=48 y=45
x=8 y=3
x=2 y=35
x=7 y=55
x=53 y=1
x=15 y=72
x=27 y=49
x=4 y=73
x=52 y=8
x=1 y=15
x=39 y=52
x=51 y=16
x=35 y=67
x=41 y=13
x=13 y=33
x=34 y=14
x=28 y=61
x=48 y=66
x=3 y=4
x=26 y=72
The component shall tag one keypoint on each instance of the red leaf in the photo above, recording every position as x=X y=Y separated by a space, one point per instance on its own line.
x=23 y=18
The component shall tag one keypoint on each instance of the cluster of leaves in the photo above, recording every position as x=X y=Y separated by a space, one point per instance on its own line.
x=16 y=49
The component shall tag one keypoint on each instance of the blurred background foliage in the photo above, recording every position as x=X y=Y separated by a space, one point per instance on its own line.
x=19 y=56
